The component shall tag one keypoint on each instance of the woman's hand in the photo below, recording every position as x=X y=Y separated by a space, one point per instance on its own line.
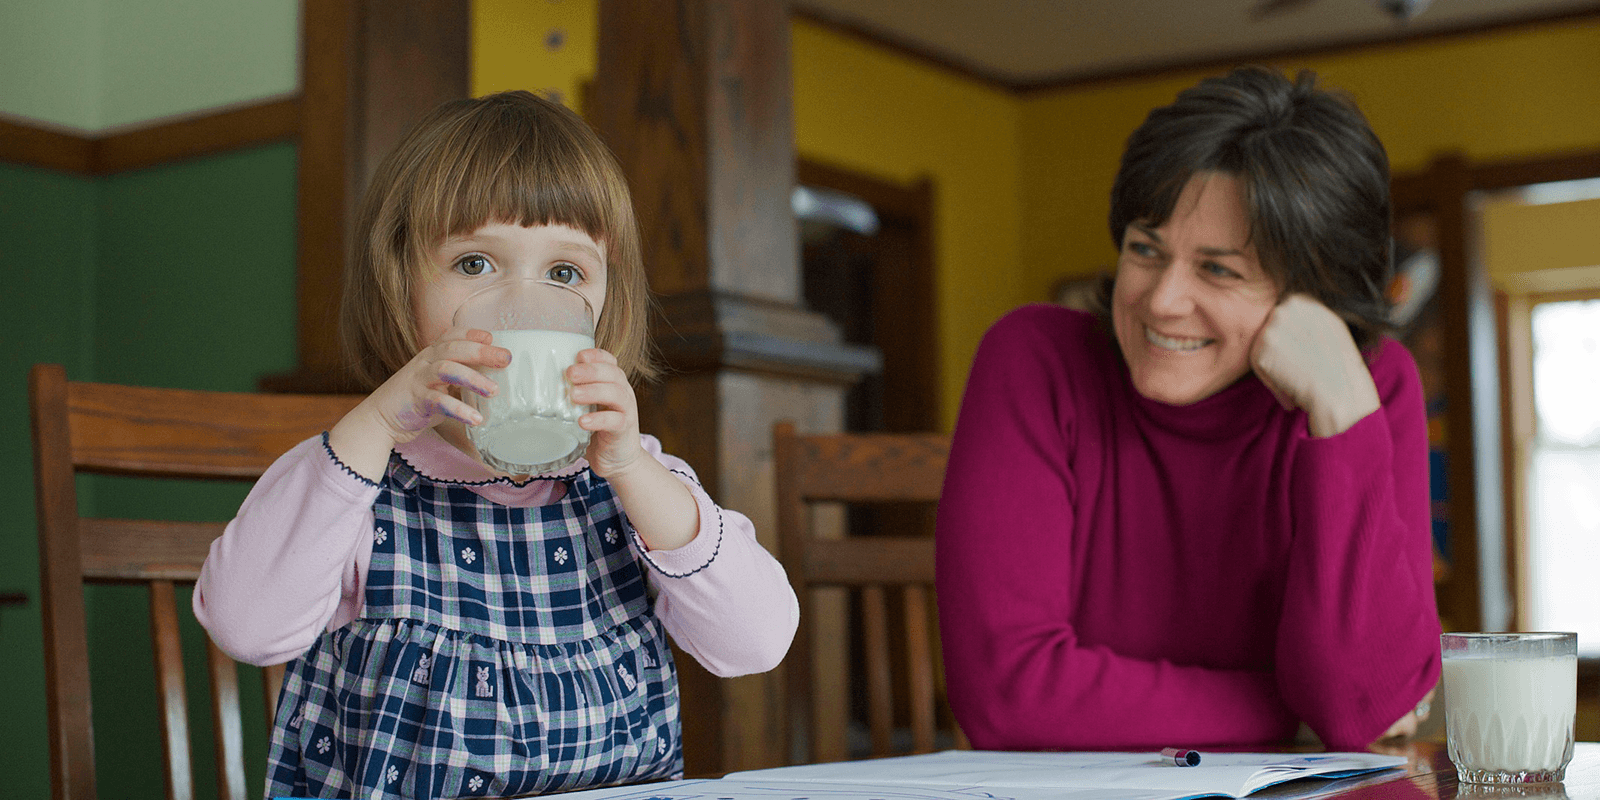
x=614 y=424
x=1406 y=726
x=1305 y=355
x=417 y=397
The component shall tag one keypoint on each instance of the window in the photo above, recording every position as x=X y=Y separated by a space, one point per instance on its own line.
x=1563 y=547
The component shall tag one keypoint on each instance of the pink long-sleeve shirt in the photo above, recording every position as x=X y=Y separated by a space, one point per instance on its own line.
x=1114 y=572
x=293 y=563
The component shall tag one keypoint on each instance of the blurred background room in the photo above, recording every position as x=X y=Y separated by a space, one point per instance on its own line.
x=838 y=198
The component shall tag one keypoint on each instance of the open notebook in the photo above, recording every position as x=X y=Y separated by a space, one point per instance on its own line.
x=980 y=775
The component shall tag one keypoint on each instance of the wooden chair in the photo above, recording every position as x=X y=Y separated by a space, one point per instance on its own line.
x=884 y=572
x=161 y=433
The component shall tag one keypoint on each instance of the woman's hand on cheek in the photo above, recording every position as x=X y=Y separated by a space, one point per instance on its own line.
x=614 y=423
x=1305 y=355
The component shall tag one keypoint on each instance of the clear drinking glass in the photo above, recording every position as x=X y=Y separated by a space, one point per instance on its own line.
x=531 y=424
x=1509 y=705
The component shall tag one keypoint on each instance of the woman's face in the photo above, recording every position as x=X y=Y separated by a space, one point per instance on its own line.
x=1191 y=295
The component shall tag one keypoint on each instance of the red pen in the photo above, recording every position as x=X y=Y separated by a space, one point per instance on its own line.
x=1180 y=757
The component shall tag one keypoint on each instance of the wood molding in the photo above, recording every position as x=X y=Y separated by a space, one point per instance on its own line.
x=153 y=145
x=21 y=143
x=916 y=52
x=1415 y=189
x=222 y=131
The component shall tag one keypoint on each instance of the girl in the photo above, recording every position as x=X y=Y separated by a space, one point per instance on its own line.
x=454 y=632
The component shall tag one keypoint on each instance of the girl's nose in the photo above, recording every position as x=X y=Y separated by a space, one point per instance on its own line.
x=1172 y=294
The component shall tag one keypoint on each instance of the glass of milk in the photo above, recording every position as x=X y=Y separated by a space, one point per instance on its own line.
x=1509 y=705
x=531 y=424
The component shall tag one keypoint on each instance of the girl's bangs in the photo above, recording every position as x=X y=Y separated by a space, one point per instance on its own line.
x=515 y=187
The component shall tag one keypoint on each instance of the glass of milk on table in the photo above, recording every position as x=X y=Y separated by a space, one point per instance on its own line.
x=1509 y=704
x=531 y=424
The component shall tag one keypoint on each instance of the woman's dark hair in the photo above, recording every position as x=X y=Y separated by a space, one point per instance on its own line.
x=1316 y=183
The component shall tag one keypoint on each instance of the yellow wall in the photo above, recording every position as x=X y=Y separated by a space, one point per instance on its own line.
x=862 y=108
x=511 y=47
x=1022 y=182
x=1559 y=241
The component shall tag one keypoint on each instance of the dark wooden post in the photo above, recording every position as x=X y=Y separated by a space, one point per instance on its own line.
x=1475 y=597
x=369 y=70
x=695 y=98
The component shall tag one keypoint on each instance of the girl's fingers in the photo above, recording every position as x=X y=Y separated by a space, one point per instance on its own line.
x=471 y=353
x=603 y=421
x=587 y=372
x=444 y=404
x=614 y=396
x=455 y=373
x=595 y=355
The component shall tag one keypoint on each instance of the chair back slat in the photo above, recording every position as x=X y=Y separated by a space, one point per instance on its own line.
x=880 y=684
x=225 y=721
x=271 y=684
x=171 y=700
x=157 y=433
x=870 y=467
x=875 y=560
x=919 y=672
x=890 y=576
x=138 y=549
x=183 y=433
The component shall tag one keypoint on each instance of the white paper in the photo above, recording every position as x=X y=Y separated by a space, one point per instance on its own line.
x=985 y=775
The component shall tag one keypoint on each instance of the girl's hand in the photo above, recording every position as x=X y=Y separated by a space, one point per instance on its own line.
x=417 y=397
x=1305 y=355
x=614 y=446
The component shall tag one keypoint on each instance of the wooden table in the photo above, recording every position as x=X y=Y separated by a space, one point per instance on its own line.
x=1429 y=775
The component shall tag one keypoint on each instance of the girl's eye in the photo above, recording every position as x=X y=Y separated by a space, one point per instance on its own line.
x=473 y=265
x=564 y=273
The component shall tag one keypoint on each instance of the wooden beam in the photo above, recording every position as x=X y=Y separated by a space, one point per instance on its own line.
x=694 y=97
x=371 y=70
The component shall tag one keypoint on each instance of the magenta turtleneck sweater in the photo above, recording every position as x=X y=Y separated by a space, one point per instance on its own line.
x=1114 y=572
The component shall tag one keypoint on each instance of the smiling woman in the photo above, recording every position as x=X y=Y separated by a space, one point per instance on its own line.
x=1233 y=438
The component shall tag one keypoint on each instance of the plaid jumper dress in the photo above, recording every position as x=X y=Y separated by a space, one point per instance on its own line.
x=501 y=651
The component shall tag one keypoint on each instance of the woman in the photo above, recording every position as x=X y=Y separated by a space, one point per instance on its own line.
x=1202 y=517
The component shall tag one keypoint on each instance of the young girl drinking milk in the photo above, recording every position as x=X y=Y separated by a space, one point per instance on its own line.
x=453 y=631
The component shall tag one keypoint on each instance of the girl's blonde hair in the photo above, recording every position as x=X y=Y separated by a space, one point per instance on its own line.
x=511 y=157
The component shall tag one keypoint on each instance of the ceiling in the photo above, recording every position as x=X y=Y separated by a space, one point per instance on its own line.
x=1041 y=43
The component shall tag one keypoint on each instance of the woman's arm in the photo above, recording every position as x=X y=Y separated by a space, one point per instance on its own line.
x=1358 y=643
x=722 y=596
x=291 y=560
x=1019 y=678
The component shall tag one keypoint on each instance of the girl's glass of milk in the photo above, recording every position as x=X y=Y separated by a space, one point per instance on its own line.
x=1509 y=703
x=531 y=424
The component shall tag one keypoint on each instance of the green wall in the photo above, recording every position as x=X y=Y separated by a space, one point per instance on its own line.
x=180 y=275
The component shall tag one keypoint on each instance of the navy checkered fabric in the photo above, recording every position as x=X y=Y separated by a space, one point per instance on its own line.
x=502 y=651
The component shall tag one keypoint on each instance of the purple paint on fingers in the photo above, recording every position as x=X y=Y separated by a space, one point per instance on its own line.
x=465 y=384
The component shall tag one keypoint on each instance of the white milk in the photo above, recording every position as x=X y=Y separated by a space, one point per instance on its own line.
x=531 y=424
x=1510 y=714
